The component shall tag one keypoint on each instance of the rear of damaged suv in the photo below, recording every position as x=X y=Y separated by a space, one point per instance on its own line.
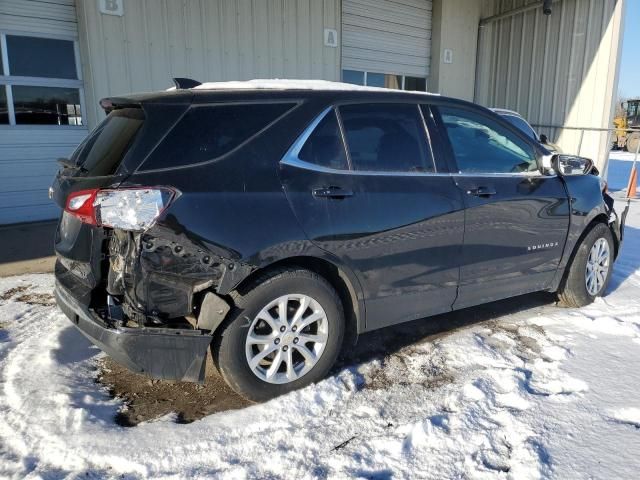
x=150 y=201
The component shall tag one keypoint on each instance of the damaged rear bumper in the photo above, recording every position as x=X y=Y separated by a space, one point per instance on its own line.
x=162 y=353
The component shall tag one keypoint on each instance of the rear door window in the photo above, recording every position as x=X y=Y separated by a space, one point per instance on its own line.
x=104 y=149
x=386 y=137
x=324 y=146
x=211 y=131
x=481 y=145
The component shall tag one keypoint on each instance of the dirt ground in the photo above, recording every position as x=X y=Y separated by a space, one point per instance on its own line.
x=147 y=399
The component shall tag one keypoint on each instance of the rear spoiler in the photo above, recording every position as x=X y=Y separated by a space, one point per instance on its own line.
x=110 y=103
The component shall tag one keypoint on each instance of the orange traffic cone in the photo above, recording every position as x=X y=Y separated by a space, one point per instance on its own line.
x=633 y=181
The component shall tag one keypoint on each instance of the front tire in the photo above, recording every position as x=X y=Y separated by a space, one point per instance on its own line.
x=284 y=333
x=590 y=270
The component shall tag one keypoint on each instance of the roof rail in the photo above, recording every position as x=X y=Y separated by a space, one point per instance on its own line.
x=185 y=83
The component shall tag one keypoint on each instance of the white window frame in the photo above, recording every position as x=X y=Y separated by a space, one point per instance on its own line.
x=7 y=81
x=365 y=72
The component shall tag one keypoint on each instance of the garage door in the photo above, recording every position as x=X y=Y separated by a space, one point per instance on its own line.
x=41 y=99
x=391 y=37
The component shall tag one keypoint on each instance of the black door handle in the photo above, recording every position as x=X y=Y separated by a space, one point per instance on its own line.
x=482 y=191
x=331 y=192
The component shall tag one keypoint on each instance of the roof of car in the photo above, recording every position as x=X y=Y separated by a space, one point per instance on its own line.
x=291 y=84
x=260 y=87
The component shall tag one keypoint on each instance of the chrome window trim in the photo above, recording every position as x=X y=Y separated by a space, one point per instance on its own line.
x=427 y=138
x=343 y=137
x=296 y=162
x=291 y=158
x=294 y=150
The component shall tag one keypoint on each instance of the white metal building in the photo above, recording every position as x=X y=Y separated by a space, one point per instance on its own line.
x=59 y=57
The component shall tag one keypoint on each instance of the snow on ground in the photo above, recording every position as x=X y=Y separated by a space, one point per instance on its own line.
x=622 y=155
x=619 y=168
x=541 y=392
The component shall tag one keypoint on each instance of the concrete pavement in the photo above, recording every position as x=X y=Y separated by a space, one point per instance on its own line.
x=27 y=248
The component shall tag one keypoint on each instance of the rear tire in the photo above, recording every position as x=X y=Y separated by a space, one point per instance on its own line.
x=588 y=274
x=285 y=332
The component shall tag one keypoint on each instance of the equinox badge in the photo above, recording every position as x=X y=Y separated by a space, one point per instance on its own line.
x=542 y=246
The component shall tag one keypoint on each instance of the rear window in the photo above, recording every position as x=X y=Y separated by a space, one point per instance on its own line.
x=386 y=137
x=103 y=150
x=208 y=132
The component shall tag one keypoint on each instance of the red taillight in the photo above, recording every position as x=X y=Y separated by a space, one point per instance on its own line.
x=80 y=204
x=133 y=209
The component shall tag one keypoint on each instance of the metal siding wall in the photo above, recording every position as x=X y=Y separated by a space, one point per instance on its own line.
x=28 y=153
x=208 y=40
x=28 y=164
x=557 y=70
x=51 y=17
x=387 y=36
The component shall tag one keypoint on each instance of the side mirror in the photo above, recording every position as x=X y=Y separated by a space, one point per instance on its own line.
x=543 y=138
x=571 y=164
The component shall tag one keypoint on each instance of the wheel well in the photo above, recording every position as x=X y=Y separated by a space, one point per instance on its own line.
x=600 y=218
x=603 y=218
x=335 y=276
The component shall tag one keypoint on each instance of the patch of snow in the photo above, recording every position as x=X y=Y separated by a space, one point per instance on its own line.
x=630 y=416
x=293 y=84
x=619 y=170
x=622 y=155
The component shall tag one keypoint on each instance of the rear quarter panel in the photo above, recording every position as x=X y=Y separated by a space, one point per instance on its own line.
x=234 y=208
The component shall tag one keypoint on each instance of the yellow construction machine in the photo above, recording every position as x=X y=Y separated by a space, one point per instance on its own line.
x=630 y=118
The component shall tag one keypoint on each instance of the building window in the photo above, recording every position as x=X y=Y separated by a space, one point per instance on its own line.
x=4 y=112
x=40 y=83
x=415 y=84
x=385 y=80
x=46 y=105
x=353 y=76
x=55 y=58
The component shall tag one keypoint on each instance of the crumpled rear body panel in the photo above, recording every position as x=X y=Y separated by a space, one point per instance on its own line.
x=158 y=272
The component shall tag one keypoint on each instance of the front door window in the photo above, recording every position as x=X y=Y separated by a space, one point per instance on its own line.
x=482 y=145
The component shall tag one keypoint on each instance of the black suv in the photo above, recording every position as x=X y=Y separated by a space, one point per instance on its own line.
x=273 y=223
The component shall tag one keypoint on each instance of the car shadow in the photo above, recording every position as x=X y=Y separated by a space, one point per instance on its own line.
x=74 y=349
x=389 y=340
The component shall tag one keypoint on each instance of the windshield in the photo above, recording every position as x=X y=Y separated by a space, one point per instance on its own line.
x=522 y=125
x=104 y=149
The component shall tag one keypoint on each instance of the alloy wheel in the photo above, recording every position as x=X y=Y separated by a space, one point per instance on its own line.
x=286 y=339
x=597 y=266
